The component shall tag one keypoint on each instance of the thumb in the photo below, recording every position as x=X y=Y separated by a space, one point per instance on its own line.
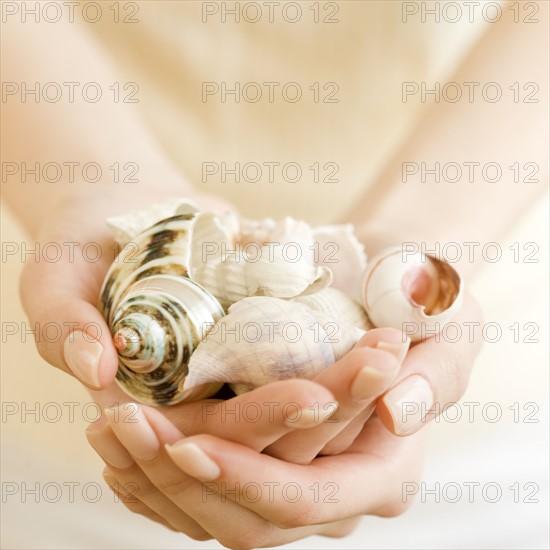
x=70 y=333
x=434 y=375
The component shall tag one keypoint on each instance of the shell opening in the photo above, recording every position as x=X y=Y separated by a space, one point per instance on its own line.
x=433 y=286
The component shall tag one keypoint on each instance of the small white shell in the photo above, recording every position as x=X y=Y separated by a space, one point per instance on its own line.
x=414 y=293
x=127 y=227
x=265 y=339
x=270 y=273
x=339 y=249
x=337 y=305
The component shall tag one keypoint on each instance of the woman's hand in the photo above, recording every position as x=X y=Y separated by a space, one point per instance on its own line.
x=444 y=365
x=208 y=487
x=63 y=294
x=60 y=296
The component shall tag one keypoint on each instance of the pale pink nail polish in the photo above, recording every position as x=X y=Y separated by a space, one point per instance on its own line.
x=408 y=403
x=398 y=350
x=103 y=440
x=193 y=461
x=82 y=354
x=134 y=431
x=369 y=383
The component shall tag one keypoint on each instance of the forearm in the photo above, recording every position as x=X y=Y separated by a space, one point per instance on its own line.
x=404 y=208
x=81 y=132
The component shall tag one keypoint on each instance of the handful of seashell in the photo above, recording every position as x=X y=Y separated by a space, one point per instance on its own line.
x=197 y=299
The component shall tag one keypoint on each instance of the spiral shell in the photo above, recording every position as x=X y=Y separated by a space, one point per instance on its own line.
x=157 y=315
x=128 y=226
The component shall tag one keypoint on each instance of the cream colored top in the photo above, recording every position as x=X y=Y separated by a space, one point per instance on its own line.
x=316 y=107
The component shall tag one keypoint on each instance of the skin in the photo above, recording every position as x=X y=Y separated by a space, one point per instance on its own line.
x=349 y=452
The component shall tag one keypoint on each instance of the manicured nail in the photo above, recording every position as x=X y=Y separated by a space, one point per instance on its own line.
x=134 y=431
x=108 y=447
x=98 y=424
x=193 y=461
x=82 y=354
x=398 y=350
x=370 y=382
x=311 y=416
x=408 y=403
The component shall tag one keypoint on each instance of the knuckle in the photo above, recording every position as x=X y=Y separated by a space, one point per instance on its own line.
x=342 y=528
x=247 y=540
x=336 y=447
x=291 y=520
x=395 y=508
x=198 y=534
x=172 y=487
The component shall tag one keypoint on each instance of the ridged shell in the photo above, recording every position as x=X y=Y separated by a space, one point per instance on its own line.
x=282 y=269
x=265 y=339
x=337 y=305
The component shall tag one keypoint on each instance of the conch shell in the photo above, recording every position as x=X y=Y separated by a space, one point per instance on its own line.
x=338 y=305
x=412 y=292
x=265 y=339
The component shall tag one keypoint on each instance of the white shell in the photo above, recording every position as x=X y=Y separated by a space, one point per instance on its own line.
x=265 y=339
x=414 y=293
x=232 y=277
x=339 y=249
x=337 y=305
x=127 y=227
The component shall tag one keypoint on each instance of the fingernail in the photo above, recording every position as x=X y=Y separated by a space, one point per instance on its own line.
x=109 y=448
x=398 y=350
x=408 y=403
x=82 y=355
x=98 y=424
x=194 y=461
x=370 y=382
x=134 y=431
x=311 y=416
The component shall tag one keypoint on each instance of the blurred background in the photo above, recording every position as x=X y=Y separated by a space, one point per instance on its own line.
x=53 y=495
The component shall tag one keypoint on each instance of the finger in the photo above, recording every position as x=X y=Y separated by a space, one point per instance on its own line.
x=434 y=375
x=344 y=439
x=259 y=417
x=289 y=494
x=59 y=299
x=356 y=381
x=240 y=527
x=132 y=503
x=133 y=481
x=143 y=436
